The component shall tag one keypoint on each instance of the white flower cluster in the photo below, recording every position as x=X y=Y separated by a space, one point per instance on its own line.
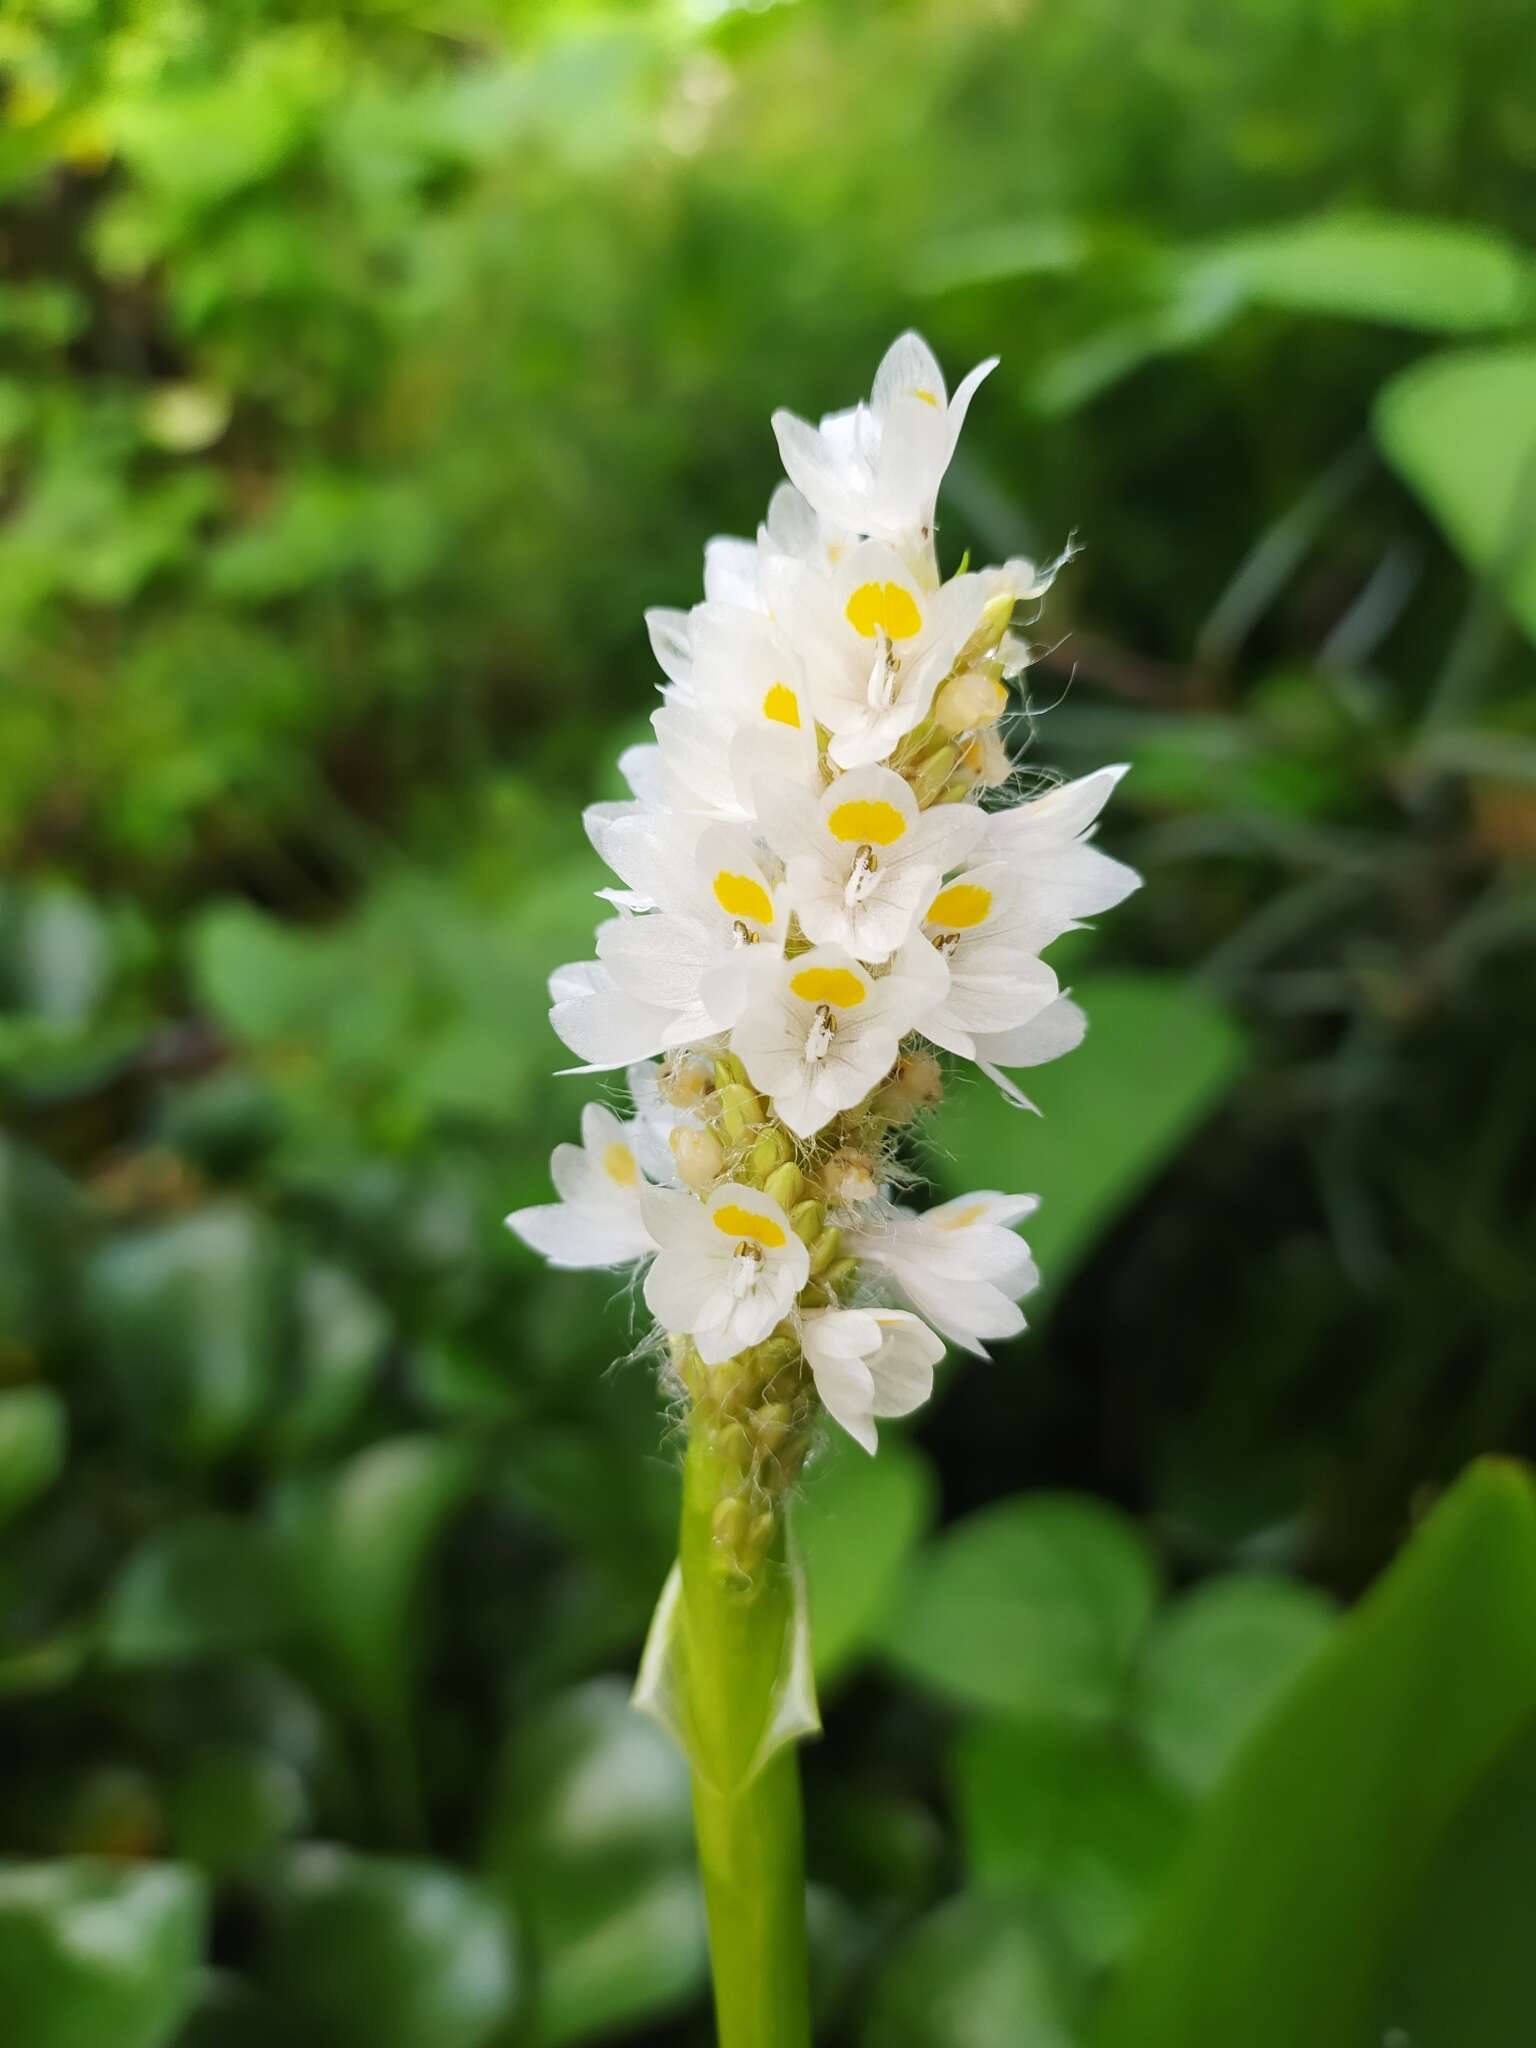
x=818 y=872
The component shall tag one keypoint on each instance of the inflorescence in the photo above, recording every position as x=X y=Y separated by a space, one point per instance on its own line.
x=823 y=883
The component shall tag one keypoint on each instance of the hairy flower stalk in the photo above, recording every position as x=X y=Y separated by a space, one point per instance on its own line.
x=823 y=883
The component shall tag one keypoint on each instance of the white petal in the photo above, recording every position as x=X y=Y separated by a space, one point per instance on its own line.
x=836 y=1344
x=575 y=1238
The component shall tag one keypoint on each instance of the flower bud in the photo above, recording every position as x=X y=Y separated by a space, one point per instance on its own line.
x=786 y=1184
x=969 y=700
x=934 y=773
x=772 y=1150
x=840 y=1274
x=825 y=1248
x=700 y=1157
x=916 y=1084
x=988 y=760
x=732 y=1520
x=771 y=1424
x=684 y=1082
x=849 y=1176
x=740 y=1108
x=807 y=1220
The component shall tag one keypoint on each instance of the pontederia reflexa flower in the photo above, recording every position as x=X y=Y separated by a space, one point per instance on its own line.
x=825 y=877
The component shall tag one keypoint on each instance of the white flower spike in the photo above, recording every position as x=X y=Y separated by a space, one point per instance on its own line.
x=820 y=884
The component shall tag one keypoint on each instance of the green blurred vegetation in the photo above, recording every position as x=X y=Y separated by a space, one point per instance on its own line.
x=363 y=373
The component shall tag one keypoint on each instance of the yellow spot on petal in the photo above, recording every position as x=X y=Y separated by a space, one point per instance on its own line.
x=962 y=906
x=839 y=986
x=619 y=1165
x=861 y=822
x=874 y=606
x=964 y=1218
x=782 y=705
x=928 y=398
x=743 y=896
x=732 y=1220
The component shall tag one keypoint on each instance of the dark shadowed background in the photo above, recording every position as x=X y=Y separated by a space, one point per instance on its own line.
x=364 y=372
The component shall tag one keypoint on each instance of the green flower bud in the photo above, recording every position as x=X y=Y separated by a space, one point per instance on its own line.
x=825 y=1248
x=807 y=1220
x=772 y=1150
x=934 y=773
x=786 y=1184
x=741 y=1110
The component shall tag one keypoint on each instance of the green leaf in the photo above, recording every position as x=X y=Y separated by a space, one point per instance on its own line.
x=92 y=1953
x=978 y=1973
x=1035 y=1606
x=205 y=1587
x=40 y=1225
x=857 y=1523
x=358 y=1540
x=1217 y=1662
x=1159 y=1057
x=185 y=1315
x=1464 y=1971
x=1071 y=1819
x=1440 y=276
x=1461 y=431
x=394 y=1953
x=1288 y=1905
x=343 y=1333
x=231 y=1804
x=33 y=1433
x=592 y=1840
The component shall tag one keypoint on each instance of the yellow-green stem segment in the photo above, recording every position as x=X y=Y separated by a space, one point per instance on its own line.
x=737 y=1634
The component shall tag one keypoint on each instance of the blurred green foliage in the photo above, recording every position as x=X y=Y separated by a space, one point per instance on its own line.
x=363 y=373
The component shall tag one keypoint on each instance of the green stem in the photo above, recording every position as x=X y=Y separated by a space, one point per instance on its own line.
x=737 y=1629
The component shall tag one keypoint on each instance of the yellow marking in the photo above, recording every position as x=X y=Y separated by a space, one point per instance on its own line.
x=876 y=605
x=743 y=896
x=962 y=906
x=782 y=705
x=839 y=986
x=619 y=1165
x=963 y=1218
x=863 y=822
x=734 y=1221
x=928 y=398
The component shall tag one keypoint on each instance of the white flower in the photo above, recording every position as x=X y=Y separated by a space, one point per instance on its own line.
x=1062 y=877
x=728 y=1268
x=990 y=942
x=876 y=642
x=675 y=963
x=868 y=1363
x=658 y=982
x=593 y=1016
x=818 y=1032
x=959 y=1265
x=877 y=468
x=737 y=706
x=597 y=1221
x=862 y=860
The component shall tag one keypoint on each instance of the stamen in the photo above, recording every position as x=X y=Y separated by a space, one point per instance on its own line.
x=860 y=876
x=745 y=1263
x=742 y=934
x=881 y=688
x=818 y=1040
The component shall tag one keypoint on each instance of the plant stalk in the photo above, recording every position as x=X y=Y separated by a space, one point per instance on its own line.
x=737 y=1631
